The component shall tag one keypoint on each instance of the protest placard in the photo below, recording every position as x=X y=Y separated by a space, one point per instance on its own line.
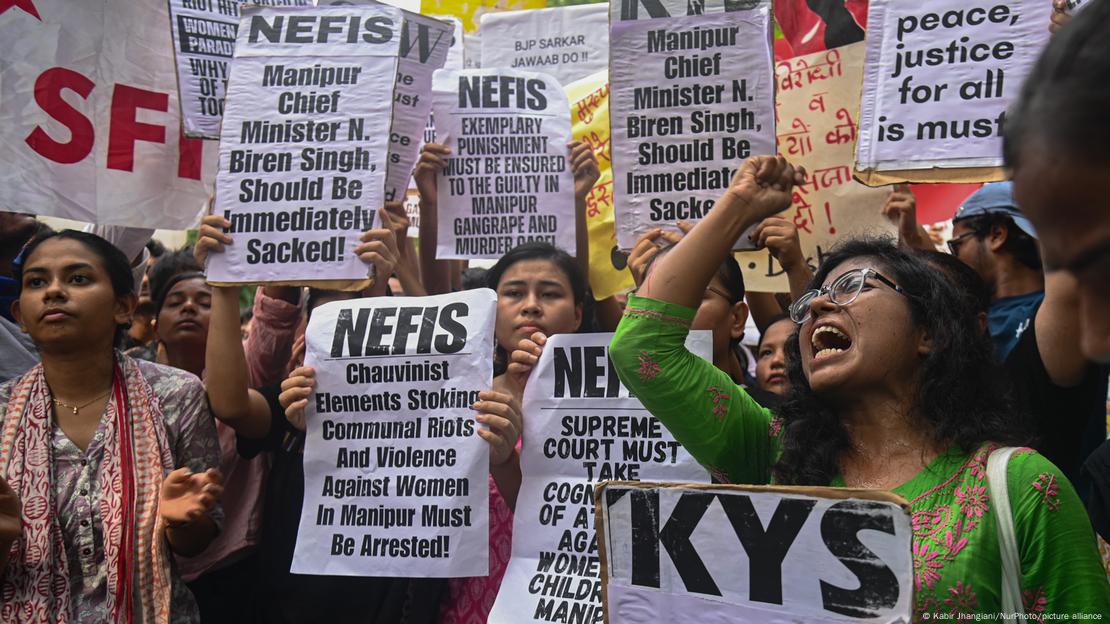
x=568 y=42
x=581 y=427
x=425 y=42
x=589 y=114
x=508 y=180
x=454 y=60
x=754 y=554
x=937 y=80
x=395 y=474
x=89 y=117
x=818 y=99
x=203 y=44
x=304 y=141
x=692 y=96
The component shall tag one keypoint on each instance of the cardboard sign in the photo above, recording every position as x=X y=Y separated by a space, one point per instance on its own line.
x=203 y=44
x=817 y=98
x=568 y=42
x=508 y=180
x=692 y=96
x=396 y=476
x=581 y=427
x=938 y=78
x=748 y=554
x=90 y=127
x=304 y=141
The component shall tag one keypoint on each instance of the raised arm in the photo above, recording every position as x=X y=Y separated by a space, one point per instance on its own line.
x=277 y=314
x=900 y=209
x=227 y=380
x=583 y=164
x=408 y=262
x=436 y=274
x=760 y=188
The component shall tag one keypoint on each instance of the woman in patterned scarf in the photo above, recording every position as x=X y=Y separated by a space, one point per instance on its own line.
x=104 y=460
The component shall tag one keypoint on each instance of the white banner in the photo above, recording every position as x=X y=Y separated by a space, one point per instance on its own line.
x=304 y=141
x=508 y=180
x=395 y=474
x=692 y=96
x=755 y=555
x=580 y=427
x=938 y=77
x=203 y=44
x=90 y=127
x=569 y=42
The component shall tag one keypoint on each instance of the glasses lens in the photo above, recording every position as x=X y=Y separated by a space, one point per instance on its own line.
x=847 y=287
x=799 y=310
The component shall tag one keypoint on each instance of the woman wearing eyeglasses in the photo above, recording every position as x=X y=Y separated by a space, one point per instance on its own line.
x=893 y=388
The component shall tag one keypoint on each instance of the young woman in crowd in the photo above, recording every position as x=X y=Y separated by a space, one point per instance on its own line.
x=893 y=388
x=106 y=461
x=770 y=356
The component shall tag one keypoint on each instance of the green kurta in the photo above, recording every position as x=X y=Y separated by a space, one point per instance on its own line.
x=957 y=565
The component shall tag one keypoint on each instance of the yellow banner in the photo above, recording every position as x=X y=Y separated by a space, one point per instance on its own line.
x=589 y=117
x=471 y=11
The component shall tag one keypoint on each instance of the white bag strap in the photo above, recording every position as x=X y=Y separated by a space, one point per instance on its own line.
x=1004 y=520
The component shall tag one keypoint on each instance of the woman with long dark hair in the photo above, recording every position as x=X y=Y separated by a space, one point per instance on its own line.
x=104 y=460
x=892 y=388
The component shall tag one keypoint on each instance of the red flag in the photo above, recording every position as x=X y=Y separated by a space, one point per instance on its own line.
x=814 y=25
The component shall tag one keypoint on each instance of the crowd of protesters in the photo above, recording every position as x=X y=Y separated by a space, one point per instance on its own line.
x=138 y=400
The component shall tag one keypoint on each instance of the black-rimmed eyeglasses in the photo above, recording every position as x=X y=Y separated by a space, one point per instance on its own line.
x=842 y=292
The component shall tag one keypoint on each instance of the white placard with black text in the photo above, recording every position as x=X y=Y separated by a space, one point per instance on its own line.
x=203 y=44
x=304 y=142
x=692 y=95
x=508 y=179
x=755 y=555
x=938 y=77
x=395 y=474
x=568 y=42
x=581 y=427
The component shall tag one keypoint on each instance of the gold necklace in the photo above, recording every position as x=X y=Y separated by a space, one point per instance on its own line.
x=76 y=408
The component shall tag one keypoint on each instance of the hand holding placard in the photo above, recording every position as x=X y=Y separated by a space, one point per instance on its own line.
x=295 y=391
x=500 y=413
x=431 y=164
x=583 y=164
